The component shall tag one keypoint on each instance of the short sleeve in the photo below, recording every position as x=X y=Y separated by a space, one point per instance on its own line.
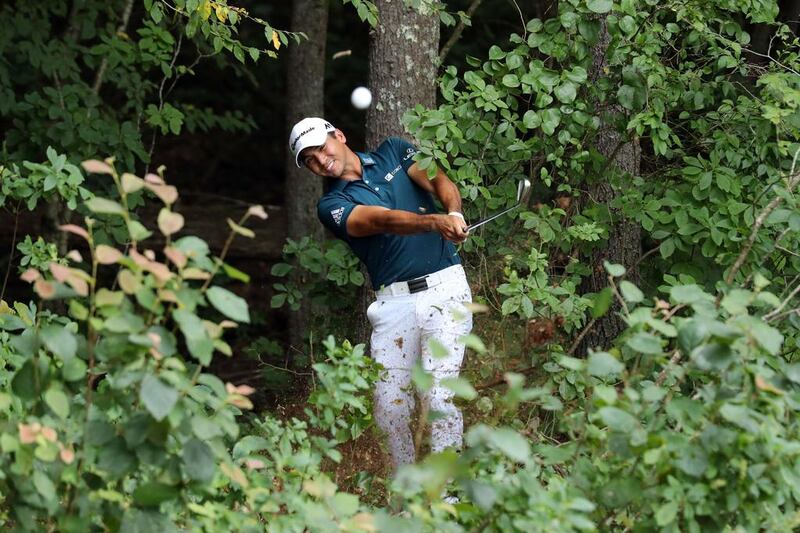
x=404 y=151
x=333 y=210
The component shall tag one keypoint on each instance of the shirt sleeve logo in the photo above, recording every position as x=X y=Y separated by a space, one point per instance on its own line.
x=337 y=215
x=409 y=153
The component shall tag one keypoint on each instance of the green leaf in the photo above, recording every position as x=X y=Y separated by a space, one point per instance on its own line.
x=602 y=302
x=229 y=304
x=666 y=248
x=58 y=402
x=235 y=273
x=712 y=356
x=511 y=444
x=740 y=416
x=198 y=461
x=566 y=92
x=687 y=294
x=60 y=341
x=437 y=349
x=551 y=118
x=691 y=333
x=531 y=119
x=280 y=269
x=460 y=387
x=278 y=300
x=511 y=80
x=473 y=342
x=158 y=397
x=205 y=428
x=137 y=231
x=344 y=504
x=249 y=444
x=614 y=269
x=599 y=6
x=154 y=493
x=644 y=342
x=422 y=380
x=138 y=521
x=769 y=338
x=104 y=206
x=241 y=230
x=197 y=340
x=44 y=486
x=666 y=514
x=617 y=419
x=602 y=364
x=631 y=292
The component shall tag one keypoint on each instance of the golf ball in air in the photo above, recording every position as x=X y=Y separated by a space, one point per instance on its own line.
x=361 y=98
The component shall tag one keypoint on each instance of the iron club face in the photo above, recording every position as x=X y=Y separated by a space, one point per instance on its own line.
x=523 y=194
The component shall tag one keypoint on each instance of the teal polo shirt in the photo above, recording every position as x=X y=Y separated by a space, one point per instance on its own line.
x=384 y=182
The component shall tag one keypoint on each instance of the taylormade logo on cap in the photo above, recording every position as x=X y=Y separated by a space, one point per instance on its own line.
x=310 y=131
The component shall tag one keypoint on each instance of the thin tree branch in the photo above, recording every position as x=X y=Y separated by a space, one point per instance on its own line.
x=676 y=356
x=161 y=98
x=101 y=72
x=580 y=337
x=457 y=31
x=792 y=181
x=11 y=253
x=772 y=314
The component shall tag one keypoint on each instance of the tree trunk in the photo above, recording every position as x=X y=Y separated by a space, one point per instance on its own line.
x=624 y=239
x=403 y=59
x=305 y=87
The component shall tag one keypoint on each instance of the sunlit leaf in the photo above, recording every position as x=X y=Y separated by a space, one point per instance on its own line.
x=229 y=304
x=107 y=255
x=169 y=222
x=241 y=230
x=94 y=166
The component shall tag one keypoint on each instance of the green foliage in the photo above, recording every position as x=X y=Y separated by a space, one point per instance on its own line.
x=95 y=77
x=108 y=419
x=37 y=254
x=367 y=11
x=717 y=136
x=48 y=181
x=682 y=445
x=341 y=400
x=325 y=272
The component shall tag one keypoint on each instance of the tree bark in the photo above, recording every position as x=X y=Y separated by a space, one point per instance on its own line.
x=403 y=59
x=624 y=239
x=305 y=87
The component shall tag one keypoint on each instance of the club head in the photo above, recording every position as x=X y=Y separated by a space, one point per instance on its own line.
x=523 y=191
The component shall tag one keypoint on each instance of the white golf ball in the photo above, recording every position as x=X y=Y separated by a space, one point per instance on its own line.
x=361 y=98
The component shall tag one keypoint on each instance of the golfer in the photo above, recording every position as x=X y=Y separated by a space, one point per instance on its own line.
x=380 y=203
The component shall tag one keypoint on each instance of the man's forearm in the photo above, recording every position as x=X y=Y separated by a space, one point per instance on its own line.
x=401 y=222
x=448 y=194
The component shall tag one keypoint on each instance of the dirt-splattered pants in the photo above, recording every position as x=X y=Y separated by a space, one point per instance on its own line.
x=403 y=324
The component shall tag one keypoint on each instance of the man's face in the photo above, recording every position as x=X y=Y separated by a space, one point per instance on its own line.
x=326 y=160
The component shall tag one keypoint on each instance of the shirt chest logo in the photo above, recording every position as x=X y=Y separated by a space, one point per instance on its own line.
x=337 y=215
x=390 y=175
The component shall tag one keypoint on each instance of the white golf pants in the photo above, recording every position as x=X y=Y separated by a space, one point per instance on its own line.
x=402 y=325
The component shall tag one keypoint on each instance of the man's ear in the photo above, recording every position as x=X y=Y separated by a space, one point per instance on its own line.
x=339 y=134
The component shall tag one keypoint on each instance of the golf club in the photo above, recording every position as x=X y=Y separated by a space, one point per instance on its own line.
x=523 y=193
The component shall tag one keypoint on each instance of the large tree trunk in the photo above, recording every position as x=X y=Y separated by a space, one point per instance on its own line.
x=624 y=239
x=305 y=87
x=403 y=58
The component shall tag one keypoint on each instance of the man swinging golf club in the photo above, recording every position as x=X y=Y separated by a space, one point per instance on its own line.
x=381 y=205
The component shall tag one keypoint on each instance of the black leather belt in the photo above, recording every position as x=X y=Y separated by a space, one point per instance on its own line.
x=417 y=285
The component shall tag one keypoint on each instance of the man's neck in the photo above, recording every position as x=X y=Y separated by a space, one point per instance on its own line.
x=353 y=170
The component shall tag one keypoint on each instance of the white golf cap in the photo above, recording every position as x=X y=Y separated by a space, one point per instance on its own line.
x=311 y=131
